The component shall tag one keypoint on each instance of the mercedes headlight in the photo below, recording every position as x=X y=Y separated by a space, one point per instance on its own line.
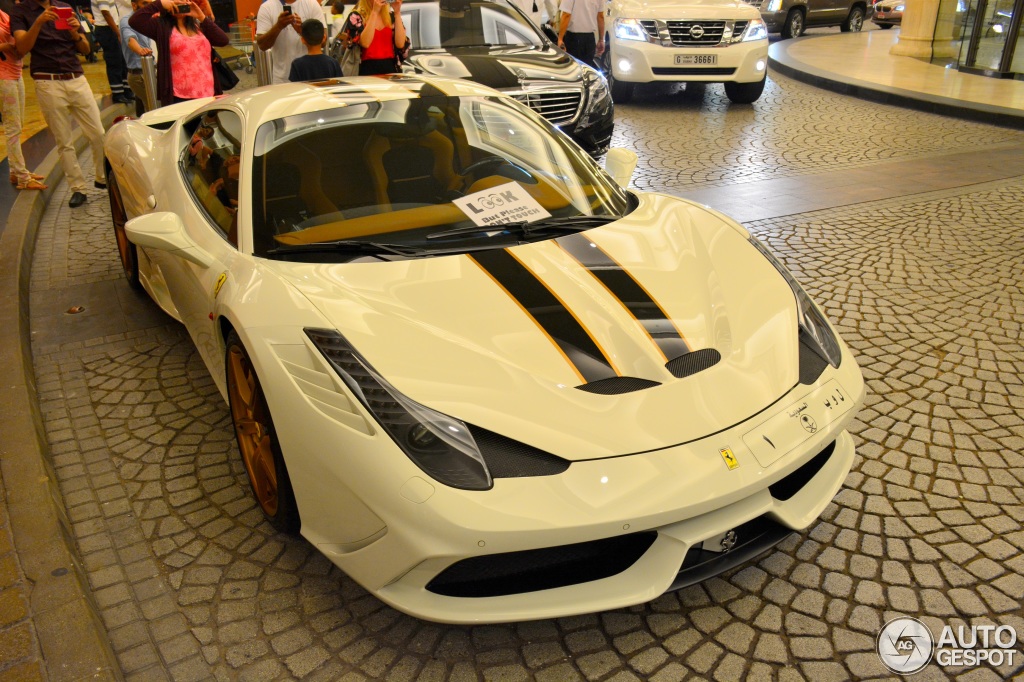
x=438 y=444
x=813 y=324
x=599 y=99
x=630 y=29
x=756 y=30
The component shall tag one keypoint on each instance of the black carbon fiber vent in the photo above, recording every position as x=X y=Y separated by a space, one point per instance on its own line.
x=789 y=486
x=497 y=575
x=508 y=458
x=811 y=362
x=618 y=385
x=693 y=362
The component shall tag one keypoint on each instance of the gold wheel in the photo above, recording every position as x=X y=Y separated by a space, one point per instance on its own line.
x=257 y=441
x=125 y=249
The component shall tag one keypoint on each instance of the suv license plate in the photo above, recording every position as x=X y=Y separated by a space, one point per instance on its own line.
x=697 y=59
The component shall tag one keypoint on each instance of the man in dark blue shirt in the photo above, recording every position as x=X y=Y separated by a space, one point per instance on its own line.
x=315 y=65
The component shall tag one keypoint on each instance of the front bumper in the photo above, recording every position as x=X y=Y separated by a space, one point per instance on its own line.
x=592 y=132
x=775 y=20
x=648 y=62
x=374 y=514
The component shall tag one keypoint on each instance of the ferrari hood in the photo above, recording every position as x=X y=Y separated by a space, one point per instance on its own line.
x=661 y=328
x=498 y=67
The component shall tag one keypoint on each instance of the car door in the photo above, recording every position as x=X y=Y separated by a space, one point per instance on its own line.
x=208 y=168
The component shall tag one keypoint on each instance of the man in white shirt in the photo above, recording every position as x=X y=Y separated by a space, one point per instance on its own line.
x=106 y=15
x=581 y=19
x=277 y=30
x=537 y=9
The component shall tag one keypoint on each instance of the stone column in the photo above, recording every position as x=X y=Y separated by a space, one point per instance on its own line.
x=918 y=36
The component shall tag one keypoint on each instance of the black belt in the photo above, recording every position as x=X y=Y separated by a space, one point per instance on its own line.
x=55 y=76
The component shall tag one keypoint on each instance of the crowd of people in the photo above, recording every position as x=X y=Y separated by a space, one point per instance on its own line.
x=182 y=34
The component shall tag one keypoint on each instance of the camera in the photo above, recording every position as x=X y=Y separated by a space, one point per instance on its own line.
x=182 y=8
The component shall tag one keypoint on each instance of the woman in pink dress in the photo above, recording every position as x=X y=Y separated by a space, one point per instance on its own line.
x=185 y=35
x=12 y=107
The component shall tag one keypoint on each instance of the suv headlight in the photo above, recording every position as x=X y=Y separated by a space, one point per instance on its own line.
x=772 y=6
x=630 y=29
x=756 y=30
x=812 y=321
x=441 y=446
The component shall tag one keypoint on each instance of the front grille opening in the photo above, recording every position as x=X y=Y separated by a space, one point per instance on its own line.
x=750 y=539
x=508 y=458
x=689 y=364
x=499 y=575
x=692 y=71
x=618 y=385
x=790 y=485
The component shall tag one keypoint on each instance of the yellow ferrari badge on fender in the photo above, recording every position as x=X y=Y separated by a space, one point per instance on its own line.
x=730 y=458
x=220 y=282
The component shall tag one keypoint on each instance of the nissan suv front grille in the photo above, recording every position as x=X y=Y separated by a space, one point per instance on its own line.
x=700 y=33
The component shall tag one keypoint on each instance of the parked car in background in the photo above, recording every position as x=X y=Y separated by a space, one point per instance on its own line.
x=693 y=41
x=888 y=13
x=791 y=17
x=493 y=43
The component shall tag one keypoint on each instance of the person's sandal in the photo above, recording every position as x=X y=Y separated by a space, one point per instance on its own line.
x=33 y=176
x=31 y=183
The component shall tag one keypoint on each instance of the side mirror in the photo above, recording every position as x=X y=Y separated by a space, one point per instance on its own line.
x=166 y=232
x=620 y=164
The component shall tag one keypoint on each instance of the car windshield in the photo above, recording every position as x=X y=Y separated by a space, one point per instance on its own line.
x=426 y=175
x=466 y=23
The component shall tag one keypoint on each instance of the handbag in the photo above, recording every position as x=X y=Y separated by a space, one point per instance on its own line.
x=351 y=58
x=224 y=75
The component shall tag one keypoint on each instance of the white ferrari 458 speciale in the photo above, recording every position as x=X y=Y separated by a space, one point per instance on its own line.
x=470 y=367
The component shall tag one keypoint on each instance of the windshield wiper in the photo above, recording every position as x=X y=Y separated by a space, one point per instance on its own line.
x=573 y=223
x=353 y=245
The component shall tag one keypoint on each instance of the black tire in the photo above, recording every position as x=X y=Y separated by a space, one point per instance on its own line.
x=622 y=92
x=126 y=251
x=744 y=93
x=257 y=440
x=884 y=27
x=854 y=22
x=794 y=26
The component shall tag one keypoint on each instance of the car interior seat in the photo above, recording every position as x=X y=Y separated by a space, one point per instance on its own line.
x=411 y=162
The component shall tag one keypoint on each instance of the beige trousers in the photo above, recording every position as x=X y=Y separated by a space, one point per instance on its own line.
x=12 y=108
x=60 y=101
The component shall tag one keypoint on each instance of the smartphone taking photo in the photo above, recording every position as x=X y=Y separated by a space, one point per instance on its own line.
x=182 y=8
x=287 y=9
x=63 y=14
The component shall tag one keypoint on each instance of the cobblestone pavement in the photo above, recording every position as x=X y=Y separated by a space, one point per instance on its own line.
x=927 y=290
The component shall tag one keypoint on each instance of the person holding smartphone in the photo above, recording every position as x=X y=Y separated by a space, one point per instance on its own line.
x=185 y=36
x=377 y=26
x=62 y=91
x=278 y=29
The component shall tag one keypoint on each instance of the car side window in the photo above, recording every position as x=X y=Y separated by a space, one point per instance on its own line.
x=210 y=163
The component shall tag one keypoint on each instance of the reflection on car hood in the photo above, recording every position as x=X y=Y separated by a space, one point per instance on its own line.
x=463 y=335
x=690 y=9
x=498 y=67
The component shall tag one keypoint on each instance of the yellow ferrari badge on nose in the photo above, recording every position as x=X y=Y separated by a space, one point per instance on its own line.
x=730 y=458
x=220 y=282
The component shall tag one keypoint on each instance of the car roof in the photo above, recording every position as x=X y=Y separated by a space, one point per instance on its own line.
x=278 y=101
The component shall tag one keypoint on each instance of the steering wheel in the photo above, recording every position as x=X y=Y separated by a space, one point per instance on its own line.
x=513 y=171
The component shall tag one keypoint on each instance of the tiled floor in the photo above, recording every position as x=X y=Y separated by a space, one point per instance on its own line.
x=913 y=246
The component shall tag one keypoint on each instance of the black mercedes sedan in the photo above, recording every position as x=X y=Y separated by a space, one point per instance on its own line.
x=493 y=43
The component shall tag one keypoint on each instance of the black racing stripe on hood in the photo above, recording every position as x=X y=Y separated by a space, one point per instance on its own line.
x=630 y=293
x=548 y=312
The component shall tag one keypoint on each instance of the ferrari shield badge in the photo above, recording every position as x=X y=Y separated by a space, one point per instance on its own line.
x=220 y=282
x=730 y=458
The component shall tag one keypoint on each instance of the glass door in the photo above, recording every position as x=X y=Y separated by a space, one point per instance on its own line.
x=991 y=32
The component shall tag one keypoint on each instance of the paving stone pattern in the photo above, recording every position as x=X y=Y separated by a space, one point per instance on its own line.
x=928 y=291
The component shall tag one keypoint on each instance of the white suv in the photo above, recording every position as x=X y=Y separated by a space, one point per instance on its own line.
x=706 y=41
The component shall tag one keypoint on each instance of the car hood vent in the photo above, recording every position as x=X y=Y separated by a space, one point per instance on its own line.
x=618 y=385
x=689 y=364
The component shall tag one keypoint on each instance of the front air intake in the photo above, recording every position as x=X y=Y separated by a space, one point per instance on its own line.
x=689 y=364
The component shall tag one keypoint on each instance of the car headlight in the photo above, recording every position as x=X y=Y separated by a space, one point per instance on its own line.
x=630 y=29
x=812 y=321
x=899 y=8
x=772 y=6
x=441 y=446
x=599 y=99
x=756 y=30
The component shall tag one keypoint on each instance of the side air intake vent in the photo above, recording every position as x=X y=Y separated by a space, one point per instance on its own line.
x=618 y=385
x=507 y=458
x=691 y=363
